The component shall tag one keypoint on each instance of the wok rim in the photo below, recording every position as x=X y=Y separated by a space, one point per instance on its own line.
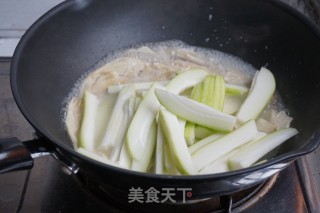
x=310 y=146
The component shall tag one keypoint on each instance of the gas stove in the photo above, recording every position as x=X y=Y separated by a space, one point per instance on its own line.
x=49 y=187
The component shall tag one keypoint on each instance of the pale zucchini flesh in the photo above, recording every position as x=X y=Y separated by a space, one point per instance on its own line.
x=232 y=89
x=137 y=135
x=232 y=104
x=196 y=92
x=203 y=142
x=159 y=158
x=210 y=92
x=202 y=132
x=142 y=163
x=195 y=112
x=218 y=166
x=124 y=158
x=118 y=124
x=186 y=80
x=87 y=129
x=222 y=164
x=214 y=150
x=169 y=164
x=261 y=91
x=103 y=114
x=129 y=112
x=207 y=90
x=175 y=140
x=253 y=152
x=189 y=132
x=218 y=93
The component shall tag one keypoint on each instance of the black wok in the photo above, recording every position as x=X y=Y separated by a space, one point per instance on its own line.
x=73 y=36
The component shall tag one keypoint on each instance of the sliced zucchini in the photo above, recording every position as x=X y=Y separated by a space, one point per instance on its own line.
x=214 y=150
x=87 y=128
x=253 y=152
x=169 y=165
x=195 y=112
x=130 y=107
x=118 y=124
x=203 y=142
x=159 y=158
x=197 y=92
x=141 y=164
x=207 y=90
x=232 y=103
x=137 y=135
x=186 y=80
x=177 y=145
x=218 y=166
x=202 y=132
x=103 y=115
x=261 y=91
x=189 y=132
x=232 y=89
x=124 y=158
x=221 y=164
x=218 y=93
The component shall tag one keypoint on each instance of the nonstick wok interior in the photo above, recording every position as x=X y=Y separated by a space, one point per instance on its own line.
x=71 y=38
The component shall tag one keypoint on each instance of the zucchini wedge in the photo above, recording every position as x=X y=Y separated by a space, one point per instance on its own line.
x=261 y=91
x=137 y=134
x=186 y=80
x=203 y=142
x=118 y=124
x=254 y=151
x=159 y=158
x=177 y=145
x=214 y=150
x=232 y=89
x=87 y=128
x=195 y=112
x=189 y=131
x=142 y=163
x=202 y=132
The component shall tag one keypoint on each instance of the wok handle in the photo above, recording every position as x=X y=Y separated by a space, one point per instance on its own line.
x=14 y=155
x=18 y=155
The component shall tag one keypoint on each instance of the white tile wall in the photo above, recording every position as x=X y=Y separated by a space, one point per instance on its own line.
x=7 y=46
x=16 y=16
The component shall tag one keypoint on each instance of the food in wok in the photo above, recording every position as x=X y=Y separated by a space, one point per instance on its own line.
x=170 y=108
